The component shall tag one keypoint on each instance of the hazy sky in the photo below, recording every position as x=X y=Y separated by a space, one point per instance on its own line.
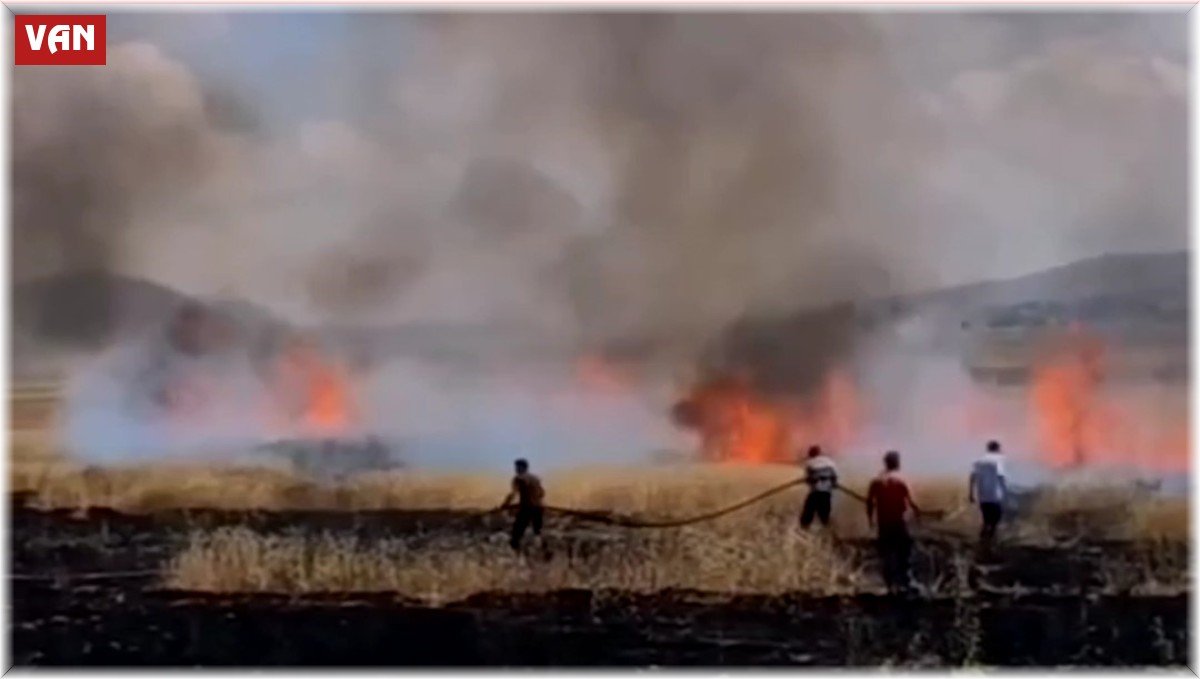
x=1016 y=140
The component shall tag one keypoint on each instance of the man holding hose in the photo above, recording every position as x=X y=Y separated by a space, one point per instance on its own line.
x=821 y=477
x=528 y=493
x=888 y=502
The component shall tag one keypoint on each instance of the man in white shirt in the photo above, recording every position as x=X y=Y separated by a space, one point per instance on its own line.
x=821 y=477
x=989 y=488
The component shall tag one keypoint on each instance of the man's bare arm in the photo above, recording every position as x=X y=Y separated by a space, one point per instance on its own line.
x=511 y=497
x=912 y=503
x=871 y=492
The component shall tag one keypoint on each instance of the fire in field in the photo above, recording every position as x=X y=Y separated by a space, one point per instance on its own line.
x=1071 y=412
x=1072 y=416
x=603 y=340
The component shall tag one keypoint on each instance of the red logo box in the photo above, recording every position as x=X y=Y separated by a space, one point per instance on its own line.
x=60 y=40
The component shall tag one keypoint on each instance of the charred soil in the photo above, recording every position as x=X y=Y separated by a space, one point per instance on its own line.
x=87 y=591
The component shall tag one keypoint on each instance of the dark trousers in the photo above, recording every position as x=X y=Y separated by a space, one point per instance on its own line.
x=895 y=551
x=817 y=505
x=992 y=512
x=527 y=517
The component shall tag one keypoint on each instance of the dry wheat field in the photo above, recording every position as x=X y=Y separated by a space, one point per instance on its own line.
x=219 y=566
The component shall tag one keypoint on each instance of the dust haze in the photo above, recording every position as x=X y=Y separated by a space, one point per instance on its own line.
x=667 y=188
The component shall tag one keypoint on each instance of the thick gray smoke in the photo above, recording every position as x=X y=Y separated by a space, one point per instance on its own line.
x=95 y=150
x=669 y=188
x=653 y=180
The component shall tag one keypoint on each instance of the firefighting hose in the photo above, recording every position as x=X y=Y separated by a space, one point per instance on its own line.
x=625 y=521
x=585 y=515
x=631 y=522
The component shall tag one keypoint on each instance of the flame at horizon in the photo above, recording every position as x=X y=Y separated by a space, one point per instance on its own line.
x=1079 y=420
x=737 y=423
x=319 y=393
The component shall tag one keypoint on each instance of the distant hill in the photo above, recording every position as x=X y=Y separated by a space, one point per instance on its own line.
x=59 y=319
x=1103 y=275
x=1144 y=294
x=84 y=312
x=1155 y=279
x=89 y=309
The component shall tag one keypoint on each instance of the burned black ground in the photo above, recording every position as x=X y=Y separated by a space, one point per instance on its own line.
x=85 y=592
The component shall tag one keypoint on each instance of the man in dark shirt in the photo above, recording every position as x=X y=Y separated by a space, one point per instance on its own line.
x=527 y=492
x=888 y=501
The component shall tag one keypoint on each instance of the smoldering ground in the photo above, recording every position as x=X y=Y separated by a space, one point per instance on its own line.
x=671 y=185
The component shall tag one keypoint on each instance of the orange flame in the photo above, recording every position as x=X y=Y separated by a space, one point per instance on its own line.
x=735 y=424
x=1076 y=421
x=738 y=424
x=1065 y=400
x=326 y=401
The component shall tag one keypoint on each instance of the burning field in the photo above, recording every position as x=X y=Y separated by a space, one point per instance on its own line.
x=1071 y=415
x=1079 y=420
x=291 y=329
x=212 y=385
x=322 y=519
x=200 y=550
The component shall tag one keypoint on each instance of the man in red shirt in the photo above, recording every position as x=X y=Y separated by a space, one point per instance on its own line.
x=888 y=501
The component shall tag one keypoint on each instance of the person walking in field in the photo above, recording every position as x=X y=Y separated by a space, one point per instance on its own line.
x=821 y=477
x=888 y=502
x=988 y=487
x=527 y=492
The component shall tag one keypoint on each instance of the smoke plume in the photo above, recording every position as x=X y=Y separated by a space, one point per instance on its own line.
x=672 y=190
x=95 y=150
x=655 y=180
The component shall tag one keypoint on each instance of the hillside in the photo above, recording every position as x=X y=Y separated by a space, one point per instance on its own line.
x=84 y=312
x=1151 y=277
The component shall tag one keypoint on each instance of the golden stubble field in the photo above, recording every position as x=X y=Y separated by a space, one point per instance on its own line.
x=757 y=549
